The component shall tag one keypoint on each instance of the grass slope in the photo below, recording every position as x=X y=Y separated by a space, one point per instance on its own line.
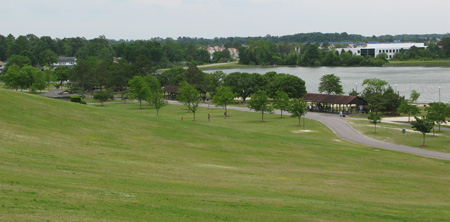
x=65 y=161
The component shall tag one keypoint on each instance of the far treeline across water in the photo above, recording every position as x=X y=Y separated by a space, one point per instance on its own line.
x=310 y=49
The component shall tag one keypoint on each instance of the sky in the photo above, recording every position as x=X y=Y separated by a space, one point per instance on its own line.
x=146 y=19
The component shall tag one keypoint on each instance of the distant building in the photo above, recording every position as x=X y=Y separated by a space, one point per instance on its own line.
x=373 y=49
x=2 y=66
x=65 y=61
x=233 y=51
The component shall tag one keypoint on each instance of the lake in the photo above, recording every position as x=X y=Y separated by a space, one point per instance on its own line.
x=425 y=80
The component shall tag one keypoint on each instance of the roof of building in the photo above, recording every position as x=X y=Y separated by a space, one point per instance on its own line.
x=59 y=93
x=396 y=45
x=170 y=89
x=333 y=99
x=66 y=59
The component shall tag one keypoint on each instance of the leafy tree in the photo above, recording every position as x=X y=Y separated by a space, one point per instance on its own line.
x=39 y=81
x=298 y=108
x=26 y=76
x=423 y=125
x=11 y=78
x=120 y=74
x=281 y=101
x=189 y=96
x=374 y=118
x=391 y=100
x=18 y=60
x=330 y=84
x=408 y=108
x=157 y=100
x=290 y=84
x=213 y=81
x=102 y=96
x=438 y=113
x=414 y=96
x=240 y=83
x=445 y=44
x=173 y=76
x=260 y=102
x=195 y=77
x=139 y=89
x=223 y=97
x=62 y=73
x=374 y=85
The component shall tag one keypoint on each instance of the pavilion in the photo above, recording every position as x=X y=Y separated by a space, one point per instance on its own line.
x=333 y=103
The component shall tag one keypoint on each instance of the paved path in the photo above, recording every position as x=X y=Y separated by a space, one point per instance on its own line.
x=346 y=132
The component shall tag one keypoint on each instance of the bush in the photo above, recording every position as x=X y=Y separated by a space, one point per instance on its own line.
x=83 y=102
x=75 y=99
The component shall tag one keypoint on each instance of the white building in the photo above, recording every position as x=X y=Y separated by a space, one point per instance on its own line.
x=65 y=61
x=374 y=49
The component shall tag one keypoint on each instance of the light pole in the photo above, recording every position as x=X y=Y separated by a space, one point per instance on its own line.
x=439 y=93
x=356 y=85
x=395 y=87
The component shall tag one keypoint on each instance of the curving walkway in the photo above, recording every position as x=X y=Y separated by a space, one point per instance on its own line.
x=346 y=132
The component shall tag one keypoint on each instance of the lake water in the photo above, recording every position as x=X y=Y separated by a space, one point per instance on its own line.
x=425 y=80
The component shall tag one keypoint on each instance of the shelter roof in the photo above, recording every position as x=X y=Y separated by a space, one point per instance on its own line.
x=59 y=93
x=170 y=89
x=333 y=99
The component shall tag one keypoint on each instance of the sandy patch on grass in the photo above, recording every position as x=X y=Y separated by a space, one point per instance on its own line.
x=303 y=131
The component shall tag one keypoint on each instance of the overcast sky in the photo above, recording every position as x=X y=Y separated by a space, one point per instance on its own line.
x=145 y=19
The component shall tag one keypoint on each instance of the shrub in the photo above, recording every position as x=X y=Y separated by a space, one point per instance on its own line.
x=75 y=99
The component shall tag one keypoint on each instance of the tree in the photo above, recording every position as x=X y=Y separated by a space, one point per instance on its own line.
x=173 y=76
x=374 y=85
x=423 y=125
x=11 y=78
x=290 y=84
x=445 y=44
x=189 y=96
x=438 y=113
x=157 y=100
x=39 y=81
x=240 y=83
x=330 y=84
x=414 y=96
x=223 y=97
x=102 y=96
x=374 y=118
x=213 y=81
x=260 y=102
x=62 y=73
x=405 y=107
x=139 y=89
x=281 y=101
x=297 y=108
x=195 y=77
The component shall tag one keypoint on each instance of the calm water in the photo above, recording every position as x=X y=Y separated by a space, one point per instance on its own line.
x=424 y=80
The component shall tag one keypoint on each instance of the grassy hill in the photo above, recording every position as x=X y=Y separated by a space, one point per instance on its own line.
x=66 y=161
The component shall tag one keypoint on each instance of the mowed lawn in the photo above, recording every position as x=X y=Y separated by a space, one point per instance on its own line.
x=62 y=161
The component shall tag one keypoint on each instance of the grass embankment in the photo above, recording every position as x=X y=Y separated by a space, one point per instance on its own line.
x=66 y=161
x=419 y=63
x=393 y=133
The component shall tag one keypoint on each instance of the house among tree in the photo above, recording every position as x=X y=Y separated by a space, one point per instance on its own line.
x=65 y=61
x=170 y=92
x=59 y=94
x=2 y=64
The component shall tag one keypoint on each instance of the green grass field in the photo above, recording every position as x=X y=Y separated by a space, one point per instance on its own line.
x=63 y=161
